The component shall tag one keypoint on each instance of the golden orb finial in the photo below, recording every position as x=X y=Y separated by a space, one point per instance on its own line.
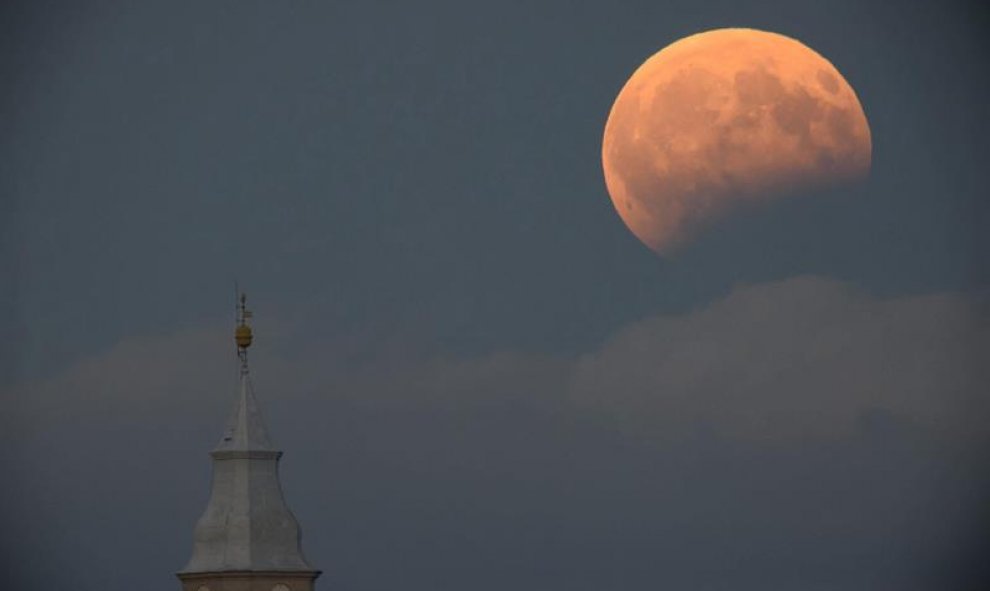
x=242 y=334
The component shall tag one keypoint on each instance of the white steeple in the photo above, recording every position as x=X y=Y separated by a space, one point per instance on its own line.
x=245 y=429
x=247 y=535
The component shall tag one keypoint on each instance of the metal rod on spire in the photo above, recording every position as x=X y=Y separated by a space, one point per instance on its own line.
x=242 y=334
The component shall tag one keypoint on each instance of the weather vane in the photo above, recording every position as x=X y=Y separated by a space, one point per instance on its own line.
x=242 y=334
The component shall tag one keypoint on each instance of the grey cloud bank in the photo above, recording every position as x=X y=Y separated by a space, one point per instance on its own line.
x=806 y=357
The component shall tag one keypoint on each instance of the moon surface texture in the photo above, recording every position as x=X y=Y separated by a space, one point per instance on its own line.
x=724 y=119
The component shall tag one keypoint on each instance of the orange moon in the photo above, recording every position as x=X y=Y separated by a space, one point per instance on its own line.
x=724 y=119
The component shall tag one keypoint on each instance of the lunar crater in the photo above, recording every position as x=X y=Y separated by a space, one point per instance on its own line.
x=828 y=81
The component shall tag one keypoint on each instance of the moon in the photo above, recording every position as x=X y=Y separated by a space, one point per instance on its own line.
x=726 y=119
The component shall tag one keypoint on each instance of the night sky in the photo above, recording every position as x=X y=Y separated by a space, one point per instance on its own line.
x=480 y=378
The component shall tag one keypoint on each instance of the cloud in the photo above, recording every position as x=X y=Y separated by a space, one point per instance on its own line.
x=806 y=357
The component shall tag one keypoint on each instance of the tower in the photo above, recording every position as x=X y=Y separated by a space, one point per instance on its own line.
x=247 y=539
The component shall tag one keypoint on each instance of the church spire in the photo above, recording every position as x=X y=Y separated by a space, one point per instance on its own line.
x=245 y=430
x=247 y=538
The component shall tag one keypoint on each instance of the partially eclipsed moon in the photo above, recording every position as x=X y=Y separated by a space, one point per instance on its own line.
x=725 y=118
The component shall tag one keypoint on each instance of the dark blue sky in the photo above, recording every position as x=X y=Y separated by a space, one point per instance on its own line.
x=412 y=194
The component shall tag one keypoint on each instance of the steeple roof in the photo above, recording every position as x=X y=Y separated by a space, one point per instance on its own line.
x=247 y=526
x=245 y=429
